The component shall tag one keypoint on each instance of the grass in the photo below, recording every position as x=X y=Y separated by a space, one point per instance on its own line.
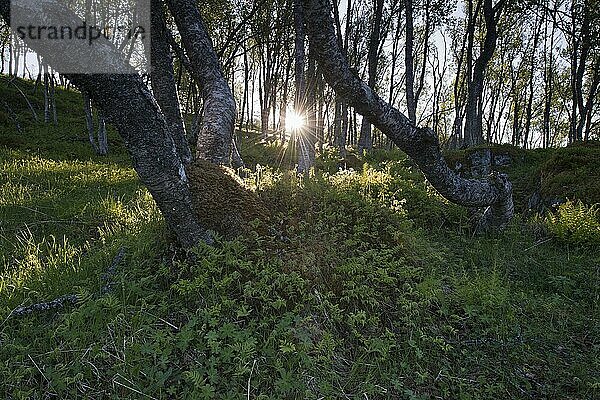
x=368 y=285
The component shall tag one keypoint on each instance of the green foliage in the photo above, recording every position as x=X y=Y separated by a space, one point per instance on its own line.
x=576 y=223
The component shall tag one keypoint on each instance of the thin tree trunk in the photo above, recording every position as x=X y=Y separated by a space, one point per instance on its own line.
x=456 y=140
x=421 y=83
x=394 y=57
x=548 y=87
x=89 y=120
x=53 y=100
x=409 y=63
x=593 y=92
x=344 y=130
x=585 y=40
x=365 y=142
x=46 y=94
x=529 y=111
x=473 y=123
x=340 y=142
x=245 y=94
x=303 y=134
x=102 y=137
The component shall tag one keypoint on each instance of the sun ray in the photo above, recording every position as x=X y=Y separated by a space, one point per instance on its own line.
x=294 y=121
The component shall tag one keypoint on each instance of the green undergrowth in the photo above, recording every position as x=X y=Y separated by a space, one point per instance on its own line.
x=365 y=284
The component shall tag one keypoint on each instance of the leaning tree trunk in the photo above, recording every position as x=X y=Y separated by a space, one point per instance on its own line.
x=130 y=107
x=218 y=113
x=163 y=80
x=421 y=144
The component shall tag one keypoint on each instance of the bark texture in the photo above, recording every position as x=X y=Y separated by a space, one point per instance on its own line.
x=130 y=107
x=163 y=80
x=89 y=120
x=409 y=63
x=102 y=135
x=421 y=144
x=306 y=146
x=218 y=113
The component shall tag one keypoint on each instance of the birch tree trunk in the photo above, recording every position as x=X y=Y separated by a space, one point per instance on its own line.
x=409 y=63
x=102 y=138
x=89 y=120
x=421 y=144
x=365 y=141
x=306 y=147
x=53 y=100
x=473 y=123
x=46 y=94
x=218 y=111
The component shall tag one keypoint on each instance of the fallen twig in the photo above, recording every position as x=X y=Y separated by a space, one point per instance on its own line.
x=56 y=303
x=60 y=302
x=111 y=271
x=539 y=242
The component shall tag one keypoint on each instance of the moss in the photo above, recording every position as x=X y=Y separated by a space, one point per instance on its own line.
x=573 y=173
x=517 y=155
x=221 y=200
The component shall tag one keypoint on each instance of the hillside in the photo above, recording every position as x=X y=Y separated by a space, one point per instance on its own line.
x=363 y=283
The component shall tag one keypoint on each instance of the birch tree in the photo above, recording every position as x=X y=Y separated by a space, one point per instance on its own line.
x=421 y=144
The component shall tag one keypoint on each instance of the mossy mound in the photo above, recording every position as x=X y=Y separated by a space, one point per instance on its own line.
x=503 y=155
x=221 y=200
x=542 y=177
x=572 y=172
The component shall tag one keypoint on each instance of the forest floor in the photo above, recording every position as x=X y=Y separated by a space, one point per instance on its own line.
x=369 y=286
